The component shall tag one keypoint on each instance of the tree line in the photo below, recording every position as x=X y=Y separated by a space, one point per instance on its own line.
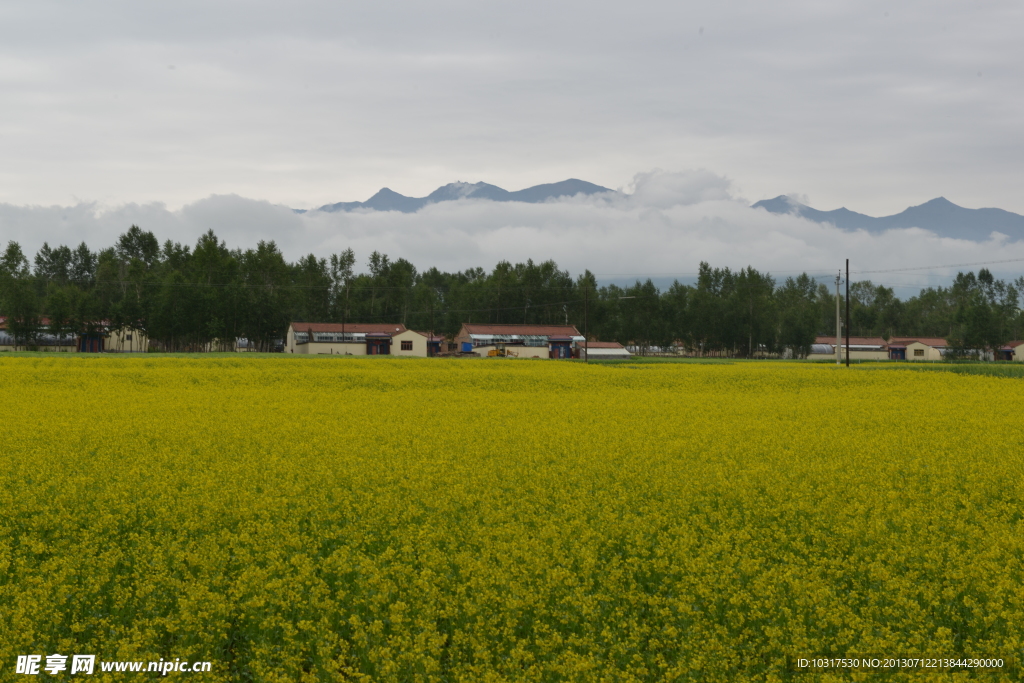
x=202 y=297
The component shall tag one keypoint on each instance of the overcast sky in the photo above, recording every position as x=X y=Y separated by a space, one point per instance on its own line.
x=105 y=106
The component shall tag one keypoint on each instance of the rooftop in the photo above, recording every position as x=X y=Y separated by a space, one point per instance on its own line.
x=353 y=328
x=854 y=341
x=927 y=341
x=529 y=330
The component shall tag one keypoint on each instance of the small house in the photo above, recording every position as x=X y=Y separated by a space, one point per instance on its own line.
x=415 y=343
x=917 y=348
x=126 y=340
x=1012 y=351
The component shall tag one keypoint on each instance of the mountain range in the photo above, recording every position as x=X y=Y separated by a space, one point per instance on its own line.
x=389 y=200
x=940 y=216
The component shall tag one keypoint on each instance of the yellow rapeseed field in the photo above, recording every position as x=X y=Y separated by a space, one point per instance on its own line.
x=328 y=519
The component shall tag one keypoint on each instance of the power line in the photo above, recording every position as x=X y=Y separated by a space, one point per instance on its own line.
x=950 y=265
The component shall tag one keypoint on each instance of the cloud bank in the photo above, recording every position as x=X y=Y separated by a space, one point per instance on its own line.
x=663 y=228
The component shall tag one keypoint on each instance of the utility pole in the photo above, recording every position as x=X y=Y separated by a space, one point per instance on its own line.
x=847 y=313
x=586 y=337
x=839 y=325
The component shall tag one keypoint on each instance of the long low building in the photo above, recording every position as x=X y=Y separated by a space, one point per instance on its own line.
x=520 y=341
x=597 y=350
x=104 y=339
x=861 y=348
x=359 y=339
x=42 y=342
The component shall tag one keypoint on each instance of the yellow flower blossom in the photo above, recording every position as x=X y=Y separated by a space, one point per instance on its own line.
x=337 y=519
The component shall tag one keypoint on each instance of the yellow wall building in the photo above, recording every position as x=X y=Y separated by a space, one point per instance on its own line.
x=917 y=348
x=1013 y=351
x=414 y=343
x=126 y=340
x=359 y=339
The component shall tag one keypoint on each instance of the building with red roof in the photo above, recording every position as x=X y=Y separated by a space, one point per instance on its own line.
x=359 y=339
x=521 y=341
x=917 y=348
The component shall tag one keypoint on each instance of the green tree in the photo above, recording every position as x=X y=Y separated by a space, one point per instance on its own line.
x=342 y=273
x=60 y=309
x=18 y=301
x=266 y=276
x=21 y=307
x=798 y=317
x=643 y=319
x=753 y=304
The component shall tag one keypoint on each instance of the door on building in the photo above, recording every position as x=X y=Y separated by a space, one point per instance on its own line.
x=560 y=350
x=378 y=347
x=90 y=343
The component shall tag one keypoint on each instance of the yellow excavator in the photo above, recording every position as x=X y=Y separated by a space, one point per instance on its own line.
x=500 y=351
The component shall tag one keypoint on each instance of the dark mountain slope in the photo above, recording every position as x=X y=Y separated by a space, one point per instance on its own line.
x=388 y=200
x=940 y=216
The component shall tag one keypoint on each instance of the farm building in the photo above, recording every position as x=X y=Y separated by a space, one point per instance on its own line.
x=360 y=339
x=917 y=348
x=244 y=345
x=42 y=342
x=126 y=340
x=597 y=350
x=350 y=339
x=102 y=339
x=520 y=341
x=1011 y=351
x=433 y=342
x=415 y=343
x=861 y=348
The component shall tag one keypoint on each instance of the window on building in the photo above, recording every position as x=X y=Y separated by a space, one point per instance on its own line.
x=407 y=345
x=127 y=337
x=918 y=352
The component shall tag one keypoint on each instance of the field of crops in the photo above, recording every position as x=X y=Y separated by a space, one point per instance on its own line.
x=327 y=519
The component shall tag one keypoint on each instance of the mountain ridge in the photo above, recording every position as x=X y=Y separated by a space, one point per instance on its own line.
x=387 y=199
x=939 y=215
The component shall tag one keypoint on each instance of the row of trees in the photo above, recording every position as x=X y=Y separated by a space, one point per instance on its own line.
x=192 y=298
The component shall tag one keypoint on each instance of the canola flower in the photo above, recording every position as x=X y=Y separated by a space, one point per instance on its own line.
x=329 y=519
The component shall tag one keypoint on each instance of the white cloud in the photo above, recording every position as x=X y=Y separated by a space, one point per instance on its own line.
x=663 y=190
x=671 y=223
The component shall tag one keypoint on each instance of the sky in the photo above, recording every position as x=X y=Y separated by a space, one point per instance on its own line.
x=162 y=112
